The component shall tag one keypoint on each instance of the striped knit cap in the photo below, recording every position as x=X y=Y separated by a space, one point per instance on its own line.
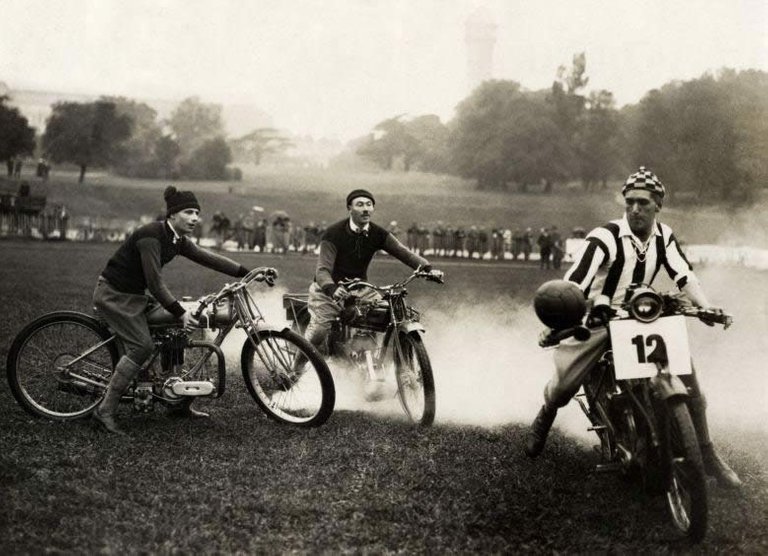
x=644 y=179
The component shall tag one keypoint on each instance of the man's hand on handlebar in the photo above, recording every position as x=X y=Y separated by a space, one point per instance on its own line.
x=340 y=294
x=431 y=274
x=715 y=315
x=435 y=276
x=189 y=322
x=600 y=315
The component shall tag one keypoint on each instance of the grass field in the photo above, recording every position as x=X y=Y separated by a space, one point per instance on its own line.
x=316 y=195
x=367 y=482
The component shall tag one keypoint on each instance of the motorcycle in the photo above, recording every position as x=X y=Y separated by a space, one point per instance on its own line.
x=380 y=338
x=60 y=364
x=635 y=401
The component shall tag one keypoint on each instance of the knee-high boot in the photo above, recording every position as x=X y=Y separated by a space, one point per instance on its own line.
x=125 y=371
x=714 y=465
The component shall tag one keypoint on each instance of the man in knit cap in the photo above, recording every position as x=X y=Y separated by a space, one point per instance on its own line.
x=346 y=250
x=121 y=299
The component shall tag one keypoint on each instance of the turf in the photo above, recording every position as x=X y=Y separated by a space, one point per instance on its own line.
x=363 y=483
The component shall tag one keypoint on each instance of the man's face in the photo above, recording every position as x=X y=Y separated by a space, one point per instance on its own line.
x=361 y=210
x=641 y=209
x=184 y=221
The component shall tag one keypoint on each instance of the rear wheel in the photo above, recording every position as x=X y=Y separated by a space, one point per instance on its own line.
x=59 y=365
x=686 y=482
x=288 y=378
x=415 y=382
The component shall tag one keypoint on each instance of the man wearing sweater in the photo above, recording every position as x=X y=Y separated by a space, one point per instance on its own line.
x=120 y=296
x=346 y=250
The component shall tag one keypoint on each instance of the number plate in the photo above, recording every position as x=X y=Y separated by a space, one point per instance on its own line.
x=637 y=346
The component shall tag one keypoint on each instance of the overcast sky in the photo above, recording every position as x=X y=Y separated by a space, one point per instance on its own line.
x=337 y=67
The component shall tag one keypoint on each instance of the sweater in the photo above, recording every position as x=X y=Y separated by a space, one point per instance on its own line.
x=136 y=265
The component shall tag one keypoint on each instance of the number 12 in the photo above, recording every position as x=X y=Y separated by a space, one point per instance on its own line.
x=658 y=353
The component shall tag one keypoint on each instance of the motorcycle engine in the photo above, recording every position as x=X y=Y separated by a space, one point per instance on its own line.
x=175 y=388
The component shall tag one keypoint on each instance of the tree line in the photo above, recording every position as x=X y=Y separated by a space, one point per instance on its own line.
x=707 y=138
x=127 y=136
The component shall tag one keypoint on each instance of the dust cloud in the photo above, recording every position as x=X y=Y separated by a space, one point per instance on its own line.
x=489 y=370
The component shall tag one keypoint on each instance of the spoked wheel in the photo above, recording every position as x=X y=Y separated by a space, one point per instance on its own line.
x=415 y=382
x=686 y=486
x=59 y=365
x=288 y=378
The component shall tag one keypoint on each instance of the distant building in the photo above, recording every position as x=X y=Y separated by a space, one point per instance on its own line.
x=480 y=40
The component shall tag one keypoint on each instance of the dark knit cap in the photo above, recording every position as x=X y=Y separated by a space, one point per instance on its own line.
x=360 y=193
x=176 y=201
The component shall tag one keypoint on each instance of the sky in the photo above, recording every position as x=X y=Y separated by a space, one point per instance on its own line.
x=335 y=68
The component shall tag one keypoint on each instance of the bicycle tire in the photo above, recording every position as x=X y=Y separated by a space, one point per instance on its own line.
x=686 y=487
x=418 y=384
x=45 y=365
x=288 y=378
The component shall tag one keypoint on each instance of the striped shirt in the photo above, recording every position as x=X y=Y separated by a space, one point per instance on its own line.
x=612 y=258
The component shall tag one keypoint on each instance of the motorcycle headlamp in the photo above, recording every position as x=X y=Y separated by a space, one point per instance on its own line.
x=645 y=305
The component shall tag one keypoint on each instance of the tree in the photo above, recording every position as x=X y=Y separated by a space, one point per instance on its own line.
x=209 y=160
x=697 y=136
x=502 y=134
x=260 y=142
x=389 y=140
x=86 y=134
x=194 y=123
x=166 y=152
x=16 y=136
x=431 y=136
x=139 y=157
x=597 y=141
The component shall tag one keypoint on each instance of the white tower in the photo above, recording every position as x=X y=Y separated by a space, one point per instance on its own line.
x=480 y=40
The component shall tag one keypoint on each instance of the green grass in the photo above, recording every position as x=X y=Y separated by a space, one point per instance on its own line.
x=316 y=195
x=362 y=483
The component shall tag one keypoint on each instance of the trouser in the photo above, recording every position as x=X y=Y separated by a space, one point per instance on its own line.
x=323 y=311
x=574 y=360
x=125 y=314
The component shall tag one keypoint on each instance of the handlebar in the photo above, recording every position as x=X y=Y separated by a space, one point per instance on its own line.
x=708 y=316
x=261 y=274
x=554 y=337
x=355 y=283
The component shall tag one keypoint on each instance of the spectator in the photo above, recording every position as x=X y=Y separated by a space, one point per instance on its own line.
x=558 y=249
x=544 y=242
x=527 y=243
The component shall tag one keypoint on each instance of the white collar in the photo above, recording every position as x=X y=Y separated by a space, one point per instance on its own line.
x=625 y=230
x=176 y=236
x=357 y=229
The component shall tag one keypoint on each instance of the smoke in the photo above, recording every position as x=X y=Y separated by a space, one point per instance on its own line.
x=489 y=370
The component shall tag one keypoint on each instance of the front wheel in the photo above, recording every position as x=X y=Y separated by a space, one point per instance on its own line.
x=288 y=378
x=415 y=382
x=59 y=365
x=686 y=482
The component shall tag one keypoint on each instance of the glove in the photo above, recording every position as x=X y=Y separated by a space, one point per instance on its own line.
x=599 y=316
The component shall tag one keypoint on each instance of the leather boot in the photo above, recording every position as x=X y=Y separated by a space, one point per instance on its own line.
x=184 y=409
x=537 y=436
x=714 y=465
x=104 y=415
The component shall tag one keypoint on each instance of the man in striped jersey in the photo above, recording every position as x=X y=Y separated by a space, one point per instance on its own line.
x=631 y=250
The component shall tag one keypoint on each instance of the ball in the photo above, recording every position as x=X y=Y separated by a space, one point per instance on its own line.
x=559 y=304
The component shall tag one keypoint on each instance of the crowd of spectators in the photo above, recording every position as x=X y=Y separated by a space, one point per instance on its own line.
x=280 y=234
